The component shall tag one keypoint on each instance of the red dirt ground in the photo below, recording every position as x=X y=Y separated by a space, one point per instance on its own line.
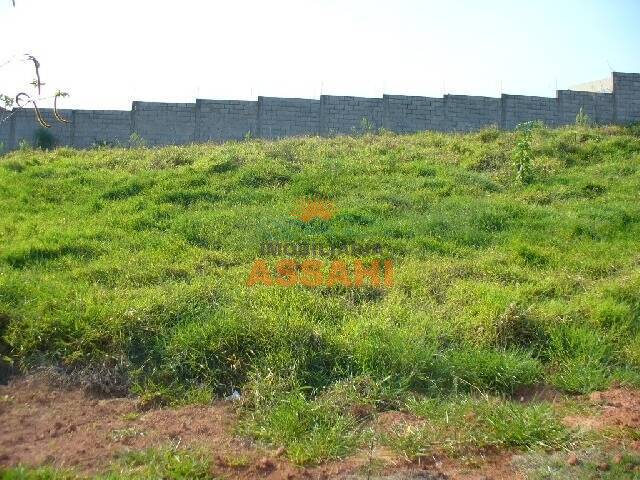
x=45 y=423
x=619 y=409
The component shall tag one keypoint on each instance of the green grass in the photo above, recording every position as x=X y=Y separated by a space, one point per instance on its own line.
x=310 y=430
x=460 y=425
x=129 y=266
x=167 y=463
x=593 y=463
x=41 y=473
x=170 y=463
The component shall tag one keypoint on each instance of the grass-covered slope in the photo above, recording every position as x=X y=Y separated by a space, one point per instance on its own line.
x=129 y=266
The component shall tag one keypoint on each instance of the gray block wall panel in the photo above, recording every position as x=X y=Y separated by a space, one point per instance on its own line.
x=93 y=127
x=407 y=114
x=464 y=113
x=346 y=115
x=288 y=117
x=518 y=109
x=25 y=126
x=164 y=123
x=599 y=106
x=6 y=137
x=219 y=120
x=604 y=108
x=570 y=102
x=626 y=89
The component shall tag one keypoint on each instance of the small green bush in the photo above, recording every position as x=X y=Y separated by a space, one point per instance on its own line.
x=583 y=119
x=523 y=152
x=44 y=139
x=136 y=141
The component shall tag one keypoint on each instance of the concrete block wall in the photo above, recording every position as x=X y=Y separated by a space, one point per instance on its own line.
x=344 y=115
x=626 y=91
x=605 y=106
x=287 y=117
x=404 y=114
x=5 y=130
x=518 y=109
x=464 y=113
x=218 y=120
x=25 y=126
x=94 y=127
x=270 y=117
x=599 y=106
x=164 y=123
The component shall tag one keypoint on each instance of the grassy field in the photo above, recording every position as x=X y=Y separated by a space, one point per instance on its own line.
x=128 y=269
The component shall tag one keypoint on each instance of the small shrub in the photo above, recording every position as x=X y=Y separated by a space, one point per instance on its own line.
x=44 y=139
x=24 y=145
x=523 y=153
x=583 y=120
x=366 y=127
x=136 y=141
x=489 y=134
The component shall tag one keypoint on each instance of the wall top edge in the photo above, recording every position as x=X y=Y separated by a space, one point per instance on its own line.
x=144 y=102
x=449 y=95
x=224 y=100
x=536 y=97
x=351 y=97
x=262 y=97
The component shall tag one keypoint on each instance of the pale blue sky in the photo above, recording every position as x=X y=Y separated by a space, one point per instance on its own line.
x=107 y=53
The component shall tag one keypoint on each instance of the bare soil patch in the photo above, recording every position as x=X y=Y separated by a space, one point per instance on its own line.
x=43 y=423
x=46 y=423
x=619 y=407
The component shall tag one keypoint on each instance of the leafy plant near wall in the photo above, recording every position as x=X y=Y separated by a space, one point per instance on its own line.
x=583 y=119
x=104 y=144
x=366 y=126
x=44 y=139
x=523 y=154
x=136 y=141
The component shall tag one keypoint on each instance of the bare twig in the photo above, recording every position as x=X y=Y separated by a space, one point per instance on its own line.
x=36 y=64
x=31 y=101
x=23 y=99
x=55 y=106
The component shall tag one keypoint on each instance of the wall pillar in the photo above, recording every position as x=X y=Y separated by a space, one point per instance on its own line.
x=626 y=97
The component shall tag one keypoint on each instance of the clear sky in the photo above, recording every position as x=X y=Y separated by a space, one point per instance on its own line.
x=106 y=53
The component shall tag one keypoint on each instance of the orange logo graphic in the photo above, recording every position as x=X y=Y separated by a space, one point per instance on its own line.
x=310 y=209
x=312 y=272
